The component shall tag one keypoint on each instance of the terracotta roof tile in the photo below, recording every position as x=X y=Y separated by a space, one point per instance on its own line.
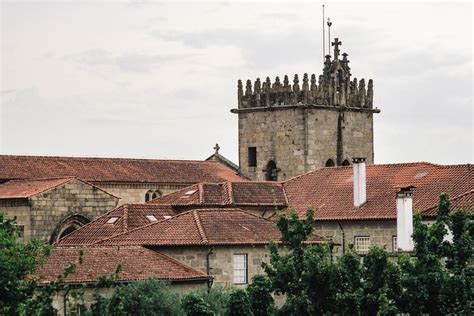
x=330 y=190
x=264 y=193
x=137 y=263
x=129 y=217
x=461 y=202
x=19 y=189
x=221 y=226
x=115 y=169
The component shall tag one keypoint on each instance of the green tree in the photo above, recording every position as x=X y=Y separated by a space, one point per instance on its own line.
x=18 y=261
x=149 y=297
x=287 y=271
x=194 y=305
x=239 y=304
x=259 y=292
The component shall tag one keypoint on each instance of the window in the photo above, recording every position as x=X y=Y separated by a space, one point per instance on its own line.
x=151 y=218
x=240 y=268
x=362 y=244
x=330 y=163
x=191 y=192
x=346 y=163
x=152 y=194
x=394 y=244
x=252 y=156
x=271 y=173
x=112 y=220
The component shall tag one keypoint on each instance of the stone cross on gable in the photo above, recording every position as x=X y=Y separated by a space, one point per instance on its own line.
x=336 y=44
x=216 y=148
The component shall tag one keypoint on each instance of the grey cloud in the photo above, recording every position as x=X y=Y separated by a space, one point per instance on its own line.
x=260 y=50
x=128 y=62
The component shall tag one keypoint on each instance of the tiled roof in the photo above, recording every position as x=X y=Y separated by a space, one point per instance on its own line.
x=461 y=202
x=115 y=169
x=250 y=193
x=137 y=263
x=330 y=190
x=20 y=189
x=128 y=217
x=218 y=226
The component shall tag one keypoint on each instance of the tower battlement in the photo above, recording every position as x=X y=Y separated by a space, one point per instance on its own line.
x=333 y=88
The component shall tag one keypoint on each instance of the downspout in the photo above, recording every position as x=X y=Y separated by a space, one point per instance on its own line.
x=343 y=238
x=66 y=293
x=208 y=269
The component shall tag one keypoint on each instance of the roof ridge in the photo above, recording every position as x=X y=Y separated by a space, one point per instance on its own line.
x=200 y=186
x=231 y=193
x=176 y=261
x=197 y=219
x=114 y=158
x=125 y=218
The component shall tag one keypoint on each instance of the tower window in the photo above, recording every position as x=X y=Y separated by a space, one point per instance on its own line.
x=346 y=163
x=271 y=173
x=330 y=163
x=252 y=156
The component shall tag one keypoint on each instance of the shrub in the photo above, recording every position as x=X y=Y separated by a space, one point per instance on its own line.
x=194 y=305
x=239 y=304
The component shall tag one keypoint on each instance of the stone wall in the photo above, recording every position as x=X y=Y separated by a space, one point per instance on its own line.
x=220 y=261
x=303 y=138
x=381 y=232
x=23 y=216
x=74 y=198
x=135 y=192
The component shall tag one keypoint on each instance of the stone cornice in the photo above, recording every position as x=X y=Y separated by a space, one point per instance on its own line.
x=305 y=106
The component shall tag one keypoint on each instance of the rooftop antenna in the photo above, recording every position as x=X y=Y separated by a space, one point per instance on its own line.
x=329 y=36
x=324 y=40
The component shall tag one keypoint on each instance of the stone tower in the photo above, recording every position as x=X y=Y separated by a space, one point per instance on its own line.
x=288 y=129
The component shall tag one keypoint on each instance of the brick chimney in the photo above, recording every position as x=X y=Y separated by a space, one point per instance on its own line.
x=360 y=181
x=405 y=219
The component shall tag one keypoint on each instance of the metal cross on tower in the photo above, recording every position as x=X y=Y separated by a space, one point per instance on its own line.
x=336 y=44
x=216 y=148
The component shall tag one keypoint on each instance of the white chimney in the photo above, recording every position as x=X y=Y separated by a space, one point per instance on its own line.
x=405 y=219
x=360 y=182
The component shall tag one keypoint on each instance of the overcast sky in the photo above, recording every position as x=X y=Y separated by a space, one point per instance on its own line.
x=158 y=80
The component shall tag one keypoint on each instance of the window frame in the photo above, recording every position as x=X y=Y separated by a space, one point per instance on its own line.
x=355 y=244
x=252 y=156
x=246 y=269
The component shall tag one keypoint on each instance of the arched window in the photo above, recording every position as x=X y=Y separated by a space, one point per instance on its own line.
x=152 y=194
x=330 y=163
x=271 y=172
x=346 y=163
x=67 y=226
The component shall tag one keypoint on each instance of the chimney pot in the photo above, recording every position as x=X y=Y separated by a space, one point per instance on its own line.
x=405 y=219
x=360 y=181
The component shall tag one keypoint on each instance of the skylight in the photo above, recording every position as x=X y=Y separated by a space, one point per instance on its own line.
x=151 y=218
x=421 y=174
x=167 y=216
x=112 y=220
x=190 y=192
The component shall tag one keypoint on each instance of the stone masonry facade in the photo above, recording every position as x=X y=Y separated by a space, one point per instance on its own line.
x=47 y=214
x=220 y=260
x=132 y=193
x=380 y=233
x=302 y=138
